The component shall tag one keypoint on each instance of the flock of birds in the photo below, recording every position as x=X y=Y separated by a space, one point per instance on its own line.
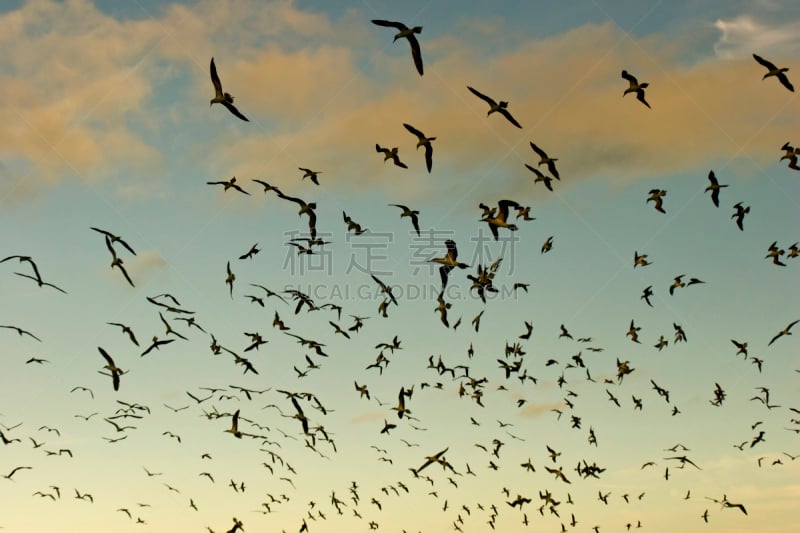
x=437 y=469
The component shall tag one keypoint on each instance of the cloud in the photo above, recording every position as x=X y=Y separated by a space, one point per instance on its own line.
x=94 y=95
x=743 y=35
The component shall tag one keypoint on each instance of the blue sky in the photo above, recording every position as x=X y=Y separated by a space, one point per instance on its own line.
x=108 y=126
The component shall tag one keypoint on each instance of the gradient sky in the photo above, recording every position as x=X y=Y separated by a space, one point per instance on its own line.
x=106 y=124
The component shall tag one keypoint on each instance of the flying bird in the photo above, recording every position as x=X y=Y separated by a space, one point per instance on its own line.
x=635 y=87
x=116 y=261
x=422 y=140
x=500 y=221
x=308 y=173
x=231 y=183
x=412 y=214
x=390 y=153
x=714 y=187
x=221 y=97
x=784 y=331
x=545 y=159
x=656 y=196
x=116 y=372
x=774 y=71
x=407 y=33
x=741 y=211
x=495 y=107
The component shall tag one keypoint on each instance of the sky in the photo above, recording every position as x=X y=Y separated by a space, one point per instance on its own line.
x=106 y=125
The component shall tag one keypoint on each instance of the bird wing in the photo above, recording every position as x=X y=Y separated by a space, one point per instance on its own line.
x=785 y=81
x=413 y=130
x=764 y=62
x=482 y=96
x=416 y=53
x=534 y=170
x=106 y=356
x=429 y=156
x=539 y=151
x=215 y=78
x=640 y=97
x=390 y=24
x=236 y=112
x=631 y=79
x=508 y=116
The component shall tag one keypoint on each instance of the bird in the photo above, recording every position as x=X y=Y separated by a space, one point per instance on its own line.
x=775 y=253
x=499 y=107
x=714 y=187
x=305 y=209
x=784 y=331
x=24 y=259
x=15 y=470
x=774 y=71
x=352 y=225
x=422 y=140
x=540 y=177
x=116 y=372
x=407 y=33
x=40 y=282
x=117 y=262
x=234 y=430
x=741 y=211
x=646 y=294
x=548 y=245
x=308 y=173
x=635 y=87
x=501 y=220
x=544 y=159
x=251 y=252
x=390 y=153
x=231 y=183
x=640 y=260
x=22 y=332
x=230 y=279
x=413 y=214
x=449 y=261
x=386 y=289
x=791 y=154
x=114 y=239
x=656 y=196
x=127 y=330
x=221 y=97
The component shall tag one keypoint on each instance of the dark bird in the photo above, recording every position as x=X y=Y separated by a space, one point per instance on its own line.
x=116 y=372
x=656 y=196
x=221 y=97
x=390 y=153
x=22 y=332
x=501 y=219
x=774 y=71
x=635 y=87
x=251 y=252
x=784 y=331
x=117 y=262
x=127 y=330
x=422 y=140
x=231 y=183
x=308 y=173
x=741 y=211
x=412 y=214
x=714 y=187
x=407 y=33
x=498 y=107
x=540 y=177
x=449 y=261
x=15 y=470
x=545 y=159
x=305 y=209
x=114 y=239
